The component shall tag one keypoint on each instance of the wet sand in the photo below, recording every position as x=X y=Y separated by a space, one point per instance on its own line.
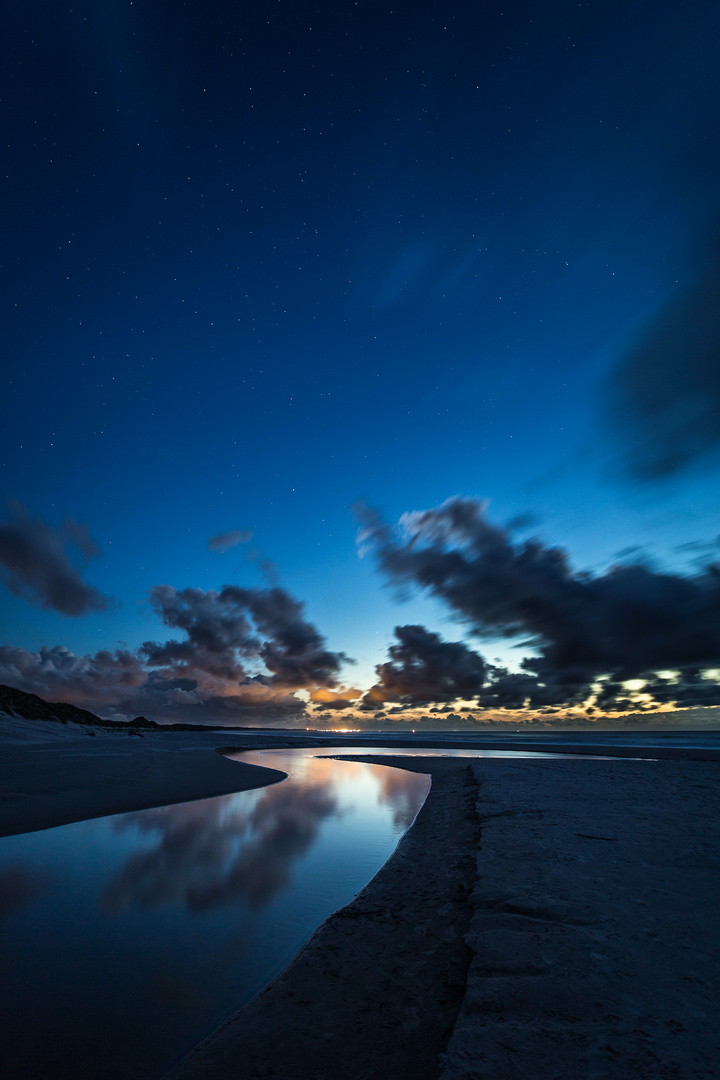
x=47 y=784
x=575 y=935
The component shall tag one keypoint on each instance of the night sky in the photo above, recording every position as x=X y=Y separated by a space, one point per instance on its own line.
x=333 y=328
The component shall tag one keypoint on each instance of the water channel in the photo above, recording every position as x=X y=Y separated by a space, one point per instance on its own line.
x=127 y=939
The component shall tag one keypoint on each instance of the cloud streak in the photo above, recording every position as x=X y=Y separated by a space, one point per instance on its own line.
x=663 y=400
x=45 y=565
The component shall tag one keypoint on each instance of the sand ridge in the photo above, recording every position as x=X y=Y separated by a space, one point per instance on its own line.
x=596 y=928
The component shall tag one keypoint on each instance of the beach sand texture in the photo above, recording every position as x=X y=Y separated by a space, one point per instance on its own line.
x=576 y=937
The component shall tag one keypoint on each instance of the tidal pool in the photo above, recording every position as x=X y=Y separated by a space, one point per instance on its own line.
x=127 y=939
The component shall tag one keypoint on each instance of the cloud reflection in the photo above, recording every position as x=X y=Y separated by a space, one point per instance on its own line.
x=209 y=854
x=404 y=792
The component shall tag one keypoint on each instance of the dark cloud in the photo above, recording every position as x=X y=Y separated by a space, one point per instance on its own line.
x=218 y=633
x=628 y=623
x=225 y=541
x=226 y=628
x=664 y=395
x=424 y=668
x=240 y=656
x=45 y=565
x=293 y=651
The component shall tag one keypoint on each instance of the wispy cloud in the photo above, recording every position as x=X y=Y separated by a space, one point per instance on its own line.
x=225 y=541
x=45 y=565
x=663 y=398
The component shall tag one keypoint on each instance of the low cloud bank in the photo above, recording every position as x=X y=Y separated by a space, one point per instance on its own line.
x=628 y=640
x=592 y=633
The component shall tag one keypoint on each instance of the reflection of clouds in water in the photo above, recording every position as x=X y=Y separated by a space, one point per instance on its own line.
x=196 y=840
x=285 y=824
x=404 y=792
x=19 y=887
x=208 y=855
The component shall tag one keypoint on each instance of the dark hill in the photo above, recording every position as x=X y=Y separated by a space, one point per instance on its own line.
x=31 y=707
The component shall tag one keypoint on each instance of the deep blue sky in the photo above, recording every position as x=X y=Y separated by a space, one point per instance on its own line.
x=261 y=261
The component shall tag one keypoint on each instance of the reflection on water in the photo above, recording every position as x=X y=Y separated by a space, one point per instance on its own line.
x=215 y=853
x=127 y=939
x=400 y=795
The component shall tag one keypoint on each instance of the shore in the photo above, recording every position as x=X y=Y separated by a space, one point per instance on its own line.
x=56 y=773
x=44 y=784
x=564 y=910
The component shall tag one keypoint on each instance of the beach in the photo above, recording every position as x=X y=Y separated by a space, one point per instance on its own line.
x=585 y=896
x=73 y=777
x=545 y=918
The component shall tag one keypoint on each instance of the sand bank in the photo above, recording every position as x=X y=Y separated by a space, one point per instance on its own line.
x=48 y=784
x=576 y=937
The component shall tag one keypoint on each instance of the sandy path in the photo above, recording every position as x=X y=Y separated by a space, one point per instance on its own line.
x=593 y=937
